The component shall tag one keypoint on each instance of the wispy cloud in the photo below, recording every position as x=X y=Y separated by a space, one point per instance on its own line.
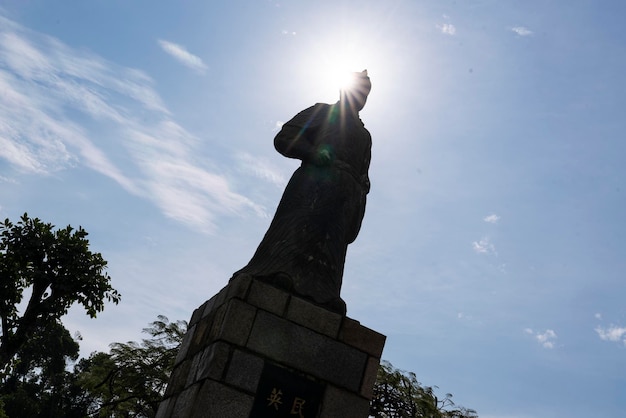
x=612 y=333
x=484 y=246
x=492 y=219
x=7 y=180
x=546 y=339
x=447 y=28
x=61 y=107
x=261 y=168
x=180 y=54
x=522 y=31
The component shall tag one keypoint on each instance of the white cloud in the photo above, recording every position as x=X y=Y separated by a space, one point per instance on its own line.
x=546 y=339
x=522 y=31
x=7 y=180
x=612 y=333
x=183 y=56
x=464 y=317
x=447 y=28
x=598 y=316
x=61 y=107
x=492 y=219
x=262 y=169
x=484 y=246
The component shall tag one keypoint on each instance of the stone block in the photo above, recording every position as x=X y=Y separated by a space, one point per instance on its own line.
x=339 y=403
x=244 y=371
x=267 y=297
x=311 y=316
x=184 y=403
x=216 y=301
x=215 y=400
x=184 y=346
x=178 y=378
x=236 y=323
x=214 y=320
x=209 y=306
x=306 y=350
x=239 y=286
x=209 y=363
x=198 y=337
x=209 y=329
x=165 y=408
x=197 y=315
x=365 y=339
x=369 y=378
x=282 y=392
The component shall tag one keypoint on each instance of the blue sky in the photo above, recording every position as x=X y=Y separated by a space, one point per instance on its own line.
x=492 y=250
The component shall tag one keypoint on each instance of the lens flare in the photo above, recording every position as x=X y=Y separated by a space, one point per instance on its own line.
x=344 y=80
x=327 y=67
x=338 y=71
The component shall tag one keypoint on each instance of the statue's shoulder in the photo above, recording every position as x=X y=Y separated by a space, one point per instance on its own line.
x=316 y=108
x=321 y=108
x=313 y=115
x=323 y=105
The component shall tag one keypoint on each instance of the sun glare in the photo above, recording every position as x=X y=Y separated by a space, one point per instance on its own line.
x=340 y=76
x=328 y=66
x=341 y=79
x=337 y=73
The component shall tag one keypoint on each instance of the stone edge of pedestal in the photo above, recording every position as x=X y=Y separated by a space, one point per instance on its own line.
x=226 y=346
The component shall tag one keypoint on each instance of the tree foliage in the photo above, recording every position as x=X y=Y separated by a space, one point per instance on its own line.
x=398 y=394
x=130 y=381
x=57 y=268
x=39 y=385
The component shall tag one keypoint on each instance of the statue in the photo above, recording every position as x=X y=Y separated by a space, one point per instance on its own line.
x=322 y=207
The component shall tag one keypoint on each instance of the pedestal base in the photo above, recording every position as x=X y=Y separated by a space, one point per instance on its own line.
x=255 y=351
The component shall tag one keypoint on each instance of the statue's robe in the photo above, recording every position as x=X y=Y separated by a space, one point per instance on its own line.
x=322 y=207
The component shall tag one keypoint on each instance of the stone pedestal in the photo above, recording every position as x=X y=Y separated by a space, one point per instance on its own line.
x=255 y=351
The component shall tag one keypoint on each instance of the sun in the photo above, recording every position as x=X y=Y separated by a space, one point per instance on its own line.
x=333 y=72
x=338 y=73
x=341 y=78
x=328 y=65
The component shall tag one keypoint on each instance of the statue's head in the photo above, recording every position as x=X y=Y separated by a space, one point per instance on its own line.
x=355 y=93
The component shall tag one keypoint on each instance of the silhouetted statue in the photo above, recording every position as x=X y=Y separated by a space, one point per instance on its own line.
x=321 y=210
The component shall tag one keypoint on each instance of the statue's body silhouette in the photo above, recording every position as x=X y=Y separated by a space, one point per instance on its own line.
x=322 y=207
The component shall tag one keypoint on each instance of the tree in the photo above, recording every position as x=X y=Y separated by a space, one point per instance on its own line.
x=57 y=268
x=398 y=394
x=131 y=380
x=39 y=385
